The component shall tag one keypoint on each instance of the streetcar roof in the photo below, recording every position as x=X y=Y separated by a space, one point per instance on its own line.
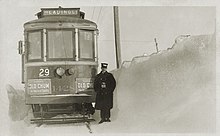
x=60 y=19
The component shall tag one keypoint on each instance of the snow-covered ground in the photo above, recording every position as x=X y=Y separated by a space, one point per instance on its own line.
x=172 y=91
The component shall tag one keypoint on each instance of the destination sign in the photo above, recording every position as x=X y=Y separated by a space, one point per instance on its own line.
x=83 y=84
x=39 y=86
x=58 y=12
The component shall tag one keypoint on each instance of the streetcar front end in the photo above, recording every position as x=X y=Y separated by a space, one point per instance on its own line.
x=59 y=60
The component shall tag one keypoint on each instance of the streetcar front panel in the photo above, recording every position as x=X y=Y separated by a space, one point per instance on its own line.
x=60 y=59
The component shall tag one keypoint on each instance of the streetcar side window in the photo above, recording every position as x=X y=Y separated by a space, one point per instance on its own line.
x=60 y=44
x=86 y=44
x=35 y=45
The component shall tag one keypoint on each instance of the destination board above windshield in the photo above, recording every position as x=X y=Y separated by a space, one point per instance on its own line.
x=74 y=12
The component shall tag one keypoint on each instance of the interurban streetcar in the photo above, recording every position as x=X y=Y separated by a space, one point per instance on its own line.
x=59 y=62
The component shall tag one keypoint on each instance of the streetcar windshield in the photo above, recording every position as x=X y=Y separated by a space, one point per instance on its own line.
x=35 y=45
x=61 y=44
x=86 y=44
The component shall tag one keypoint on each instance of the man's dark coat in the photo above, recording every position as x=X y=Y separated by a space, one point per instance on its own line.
x=104 y=96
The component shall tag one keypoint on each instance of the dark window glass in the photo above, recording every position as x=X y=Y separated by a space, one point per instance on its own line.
x=60 y=44
x=34 y=45
x=86 y=44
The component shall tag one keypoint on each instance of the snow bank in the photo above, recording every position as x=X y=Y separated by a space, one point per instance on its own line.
x=17 y=108
x=173 y=91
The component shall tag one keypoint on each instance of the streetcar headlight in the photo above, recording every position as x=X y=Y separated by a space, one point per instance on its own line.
x=71 y=71
x=60 y=71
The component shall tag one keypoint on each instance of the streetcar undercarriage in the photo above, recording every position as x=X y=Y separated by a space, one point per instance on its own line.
x=62 y=114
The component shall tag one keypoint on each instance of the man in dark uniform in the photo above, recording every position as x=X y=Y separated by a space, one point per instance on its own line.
x=104 y=86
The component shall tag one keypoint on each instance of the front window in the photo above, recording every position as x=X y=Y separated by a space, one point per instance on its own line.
x=61 y=44
x=35 y=45
x=86 y=44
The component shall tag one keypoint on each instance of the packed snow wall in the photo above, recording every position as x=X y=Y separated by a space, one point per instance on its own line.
x=171 y=91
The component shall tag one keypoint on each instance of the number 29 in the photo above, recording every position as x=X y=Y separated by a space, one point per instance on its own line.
x=44 y=72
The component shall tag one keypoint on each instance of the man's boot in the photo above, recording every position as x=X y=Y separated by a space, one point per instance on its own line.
x=101 y=121
x=107 y=120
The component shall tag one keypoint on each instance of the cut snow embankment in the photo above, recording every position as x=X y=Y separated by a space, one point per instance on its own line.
x=172 y=91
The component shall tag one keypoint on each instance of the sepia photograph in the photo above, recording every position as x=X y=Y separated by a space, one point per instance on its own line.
x=108 y=67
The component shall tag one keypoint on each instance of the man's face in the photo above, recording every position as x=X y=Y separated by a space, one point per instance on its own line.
x=104 y=69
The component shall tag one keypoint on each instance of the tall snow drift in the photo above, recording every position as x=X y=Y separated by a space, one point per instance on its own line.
x=172 y=91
